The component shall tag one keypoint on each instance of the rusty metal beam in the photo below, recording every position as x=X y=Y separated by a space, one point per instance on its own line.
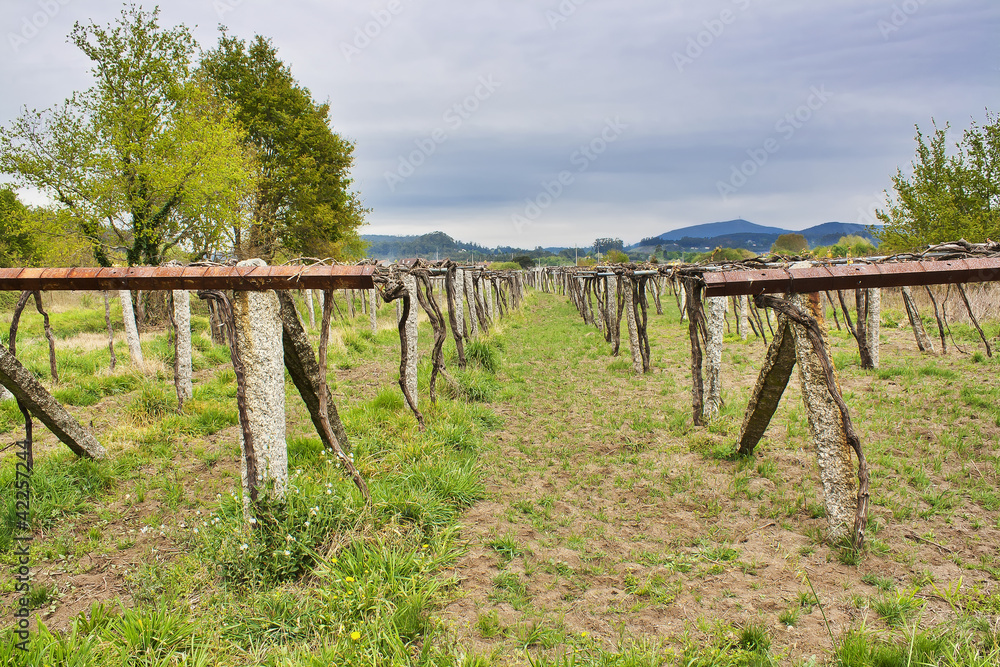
x=144 y=278
x=851 y=276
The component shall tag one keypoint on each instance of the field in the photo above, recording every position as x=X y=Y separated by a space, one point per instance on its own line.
x=558 y=510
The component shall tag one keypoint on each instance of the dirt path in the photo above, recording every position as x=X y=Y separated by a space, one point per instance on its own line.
x=610 y=519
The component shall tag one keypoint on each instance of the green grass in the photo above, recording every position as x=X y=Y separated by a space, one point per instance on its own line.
x=597 y=481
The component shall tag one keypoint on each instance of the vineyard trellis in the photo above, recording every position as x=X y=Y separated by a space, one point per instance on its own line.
x=476 y=298
x=797 y=338
x=251 y=309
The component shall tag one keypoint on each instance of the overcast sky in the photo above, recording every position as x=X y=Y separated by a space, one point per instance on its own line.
x=540 y=122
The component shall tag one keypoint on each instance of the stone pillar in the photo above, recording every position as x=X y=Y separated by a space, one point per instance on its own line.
x=611 y=299
x=410 y=282
x=490 y=300
x=182 y=319
x=259 y=344
x=874 y=324
x=372 y=317
x=459 y=290
x=633 y=328
x=311 y=309
x=322 y=302
x=131 y=331
x=470 y=298
x=833 y=453
x=744 y=320
x=5 y=395
x=713 y=355
x=684 y=303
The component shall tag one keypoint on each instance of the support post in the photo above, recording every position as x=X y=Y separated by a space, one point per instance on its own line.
x=713 y=354
x=372 y=317
x=410 y=283
x=874 y=328
x=744 y=320
x=258 y=334
x=300 y=360
x=182 y=323
x=924 y=343
x=833 y=452
x=633 y=329
x=771 y=383
x=39 y=402
x=456 y=301
x=311 y=309
x=470 y=299
x=131 y=331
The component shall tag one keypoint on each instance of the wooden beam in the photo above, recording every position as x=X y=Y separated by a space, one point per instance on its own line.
x=850 y=276
x=188 y=278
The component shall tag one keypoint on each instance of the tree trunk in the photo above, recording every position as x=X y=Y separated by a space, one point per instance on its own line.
x=924 y=343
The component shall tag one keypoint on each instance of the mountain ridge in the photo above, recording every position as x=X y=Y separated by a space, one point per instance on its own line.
x=737 y=233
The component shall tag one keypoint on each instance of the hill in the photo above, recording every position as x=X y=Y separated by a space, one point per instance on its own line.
x=741 y=233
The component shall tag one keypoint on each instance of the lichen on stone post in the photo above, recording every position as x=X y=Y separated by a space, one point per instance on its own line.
x=258 y=336
x=182 y=323
x=458 y=287
x=131 y=330
x=833 y=452
x=713 y=354
x=744 y=321
x=310 y=307
x=372 y=317
x=469 y=290
x=874 y=323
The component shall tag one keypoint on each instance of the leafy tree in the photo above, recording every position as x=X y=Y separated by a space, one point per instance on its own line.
x=145 y=160
x=848 y=246
x=948 y=197
x=16 y=245
x=616 y=256
x=790 y=244
x=524 y=261
x=606 y=244
x=303 y=203
x=721 y=254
